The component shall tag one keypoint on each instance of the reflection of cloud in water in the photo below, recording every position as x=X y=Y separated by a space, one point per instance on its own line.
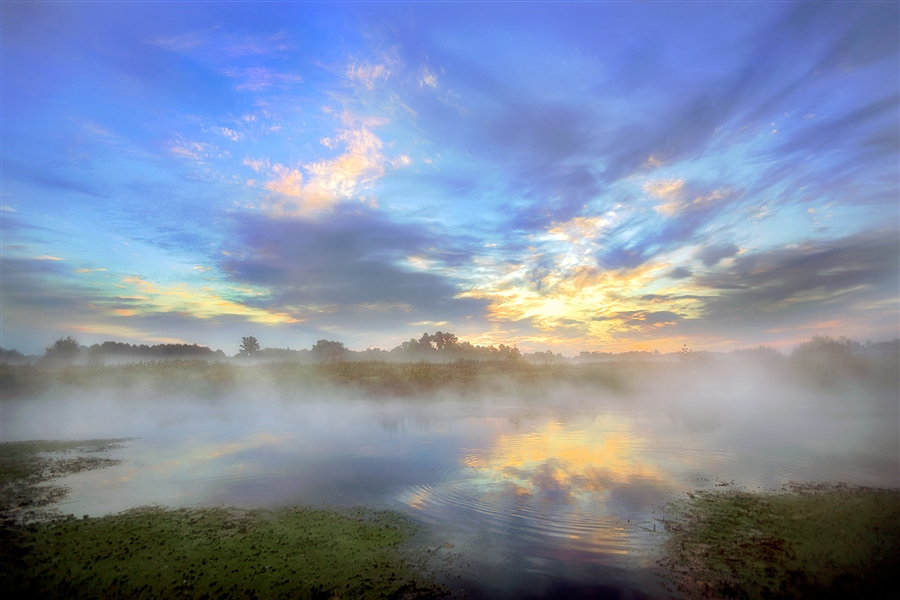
x=577 y=492
x=198 y=456
x=570 y=463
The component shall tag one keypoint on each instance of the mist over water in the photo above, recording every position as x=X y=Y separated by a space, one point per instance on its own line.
x=530 y=486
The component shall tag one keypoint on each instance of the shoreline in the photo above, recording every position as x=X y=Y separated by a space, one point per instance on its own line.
x=206 y=552
x=802 y=541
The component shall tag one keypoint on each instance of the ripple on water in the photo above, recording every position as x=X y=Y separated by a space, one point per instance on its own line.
x=514 y=526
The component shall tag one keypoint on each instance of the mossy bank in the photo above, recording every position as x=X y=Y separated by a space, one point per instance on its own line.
x=153 y=552
x=809 y=541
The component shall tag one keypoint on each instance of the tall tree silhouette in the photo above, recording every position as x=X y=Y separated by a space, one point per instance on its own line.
x=249 y=346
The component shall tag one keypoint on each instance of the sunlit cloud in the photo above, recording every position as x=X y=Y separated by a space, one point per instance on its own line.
x=199 y=303
x=586 y=306
x=288 y=182
x=428 y=78
x=567 y=298
x=432 y=169
x=400 y=161
x=256 y=165
x=368 y=74
x=126 y=332
x=230 y=134
x=664 y=189
x=193 y=149
x=330 y=181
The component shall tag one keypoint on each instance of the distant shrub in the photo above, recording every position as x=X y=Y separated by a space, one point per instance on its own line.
x=763 y=354
x=687 y=355
x=823 y=350
x=828 y=361
x=121 y=352
x=12 y=356
x=63 y=350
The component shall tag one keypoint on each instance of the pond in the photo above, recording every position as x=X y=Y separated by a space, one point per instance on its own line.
x=522 y=497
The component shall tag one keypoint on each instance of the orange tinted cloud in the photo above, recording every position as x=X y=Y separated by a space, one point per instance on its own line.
x=330 y=181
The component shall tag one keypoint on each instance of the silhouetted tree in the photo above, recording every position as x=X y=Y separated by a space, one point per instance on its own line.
x=249 y=346
x=63 y=349
x=444 y=340
x=823 y=349
x=328 y=351
x=695 y=356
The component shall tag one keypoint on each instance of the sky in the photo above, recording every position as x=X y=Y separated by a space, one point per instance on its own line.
x=606 y=176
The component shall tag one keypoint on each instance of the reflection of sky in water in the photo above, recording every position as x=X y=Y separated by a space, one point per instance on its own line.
x=563 y=490
x=562 y=462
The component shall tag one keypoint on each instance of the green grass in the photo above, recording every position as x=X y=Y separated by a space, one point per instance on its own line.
x=154 y=552
x=817 y=541
x=215 y=553
x=875 y=378
x=201 y=379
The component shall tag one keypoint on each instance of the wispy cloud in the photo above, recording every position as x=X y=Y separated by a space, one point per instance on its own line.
x=193 y=149
x=712 y=172
x=215 y=43
x=258 y=79
x=234 y=136
x=330 y=181
x=428 y=78
x=256 y=164
x=367 y=74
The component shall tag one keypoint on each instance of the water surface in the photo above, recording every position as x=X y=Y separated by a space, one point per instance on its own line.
x=522 y=496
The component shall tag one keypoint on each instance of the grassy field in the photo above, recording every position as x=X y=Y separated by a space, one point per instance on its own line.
x=191 y=553
x=812 y=541
x=201 y=379
x=845 y=374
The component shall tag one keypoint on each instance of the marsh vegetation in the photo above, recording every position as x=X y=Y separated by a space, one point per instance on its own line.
x=802 y=541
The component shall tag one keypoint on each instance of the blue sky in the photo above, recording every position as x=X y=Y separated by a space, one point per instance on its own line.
x=567 y=176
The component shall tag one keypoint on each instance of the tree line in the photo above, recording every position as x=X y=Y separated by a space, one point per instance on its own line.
x=437 y=347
